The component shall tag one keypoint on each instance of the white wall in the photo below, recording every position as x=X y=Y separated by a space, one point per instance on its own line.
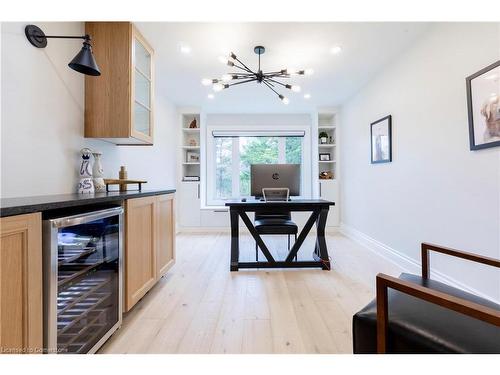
x=42 y=120
x=435 y=189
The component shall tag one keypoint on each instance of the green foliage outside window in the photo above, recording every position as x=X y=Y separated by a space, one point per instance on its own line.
x=252 y=150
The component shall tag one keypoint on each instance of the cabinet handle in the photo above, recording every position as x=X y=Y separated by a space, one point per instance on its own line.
x=320 y=189
x=198 y=191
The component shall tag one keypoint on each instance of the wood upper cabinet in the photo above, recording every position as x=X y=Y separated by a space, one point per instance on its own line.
x=119 y=103
x=21 y=320
x=149 y=244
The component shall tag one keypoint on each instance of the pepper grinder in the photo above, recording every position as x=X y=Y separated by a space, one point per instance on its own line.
x=122 y=175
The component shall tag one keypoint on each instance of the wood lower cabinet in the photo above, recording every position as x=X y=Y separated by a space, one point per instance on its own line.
x=165 y=255
x=21 y=320
x=140 y=248
x=149 y=244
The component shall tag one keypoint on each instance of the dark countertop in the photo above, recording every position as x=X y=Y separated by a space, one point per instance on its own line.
x=26 y=205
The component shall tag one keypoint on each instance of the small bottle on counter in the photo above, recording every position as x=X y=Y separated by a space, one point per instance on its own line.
x=123 y=175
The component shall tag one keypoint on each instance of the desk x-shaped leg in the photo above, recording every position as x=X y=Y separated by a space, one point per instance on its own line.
x=320 y=253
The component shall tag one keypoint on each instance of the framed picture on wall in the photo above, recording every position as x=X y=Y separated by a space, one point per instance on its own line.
x=381 y=140
x=483 y=104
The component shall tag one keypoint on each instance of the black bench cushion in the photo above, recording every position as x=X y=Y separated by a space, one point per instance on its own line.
x=417 y=326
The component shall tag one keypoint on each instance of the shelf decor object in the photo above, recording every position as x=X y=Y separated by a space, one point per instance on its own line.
x=83 y=62
x=246 y=75
x=324 y=156
x=323 y=137
x=86 y=183
x=326 y=175
x=122 y=182
x=98 y=172
x=193 y=124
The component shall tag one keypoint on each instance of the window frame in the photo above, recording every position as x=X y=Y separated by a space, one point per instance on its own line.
x=209 y=181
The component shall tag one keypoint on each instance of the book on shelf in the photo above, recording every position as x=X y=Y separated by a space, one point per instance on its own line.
x=191 y=178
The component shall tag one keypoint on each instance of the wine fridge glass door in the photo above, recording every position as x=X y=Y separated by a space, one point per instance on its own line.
x=88 y=282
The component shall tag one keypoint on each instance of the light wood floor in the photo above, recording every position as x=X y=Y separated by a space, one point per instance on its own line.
x=201 y=307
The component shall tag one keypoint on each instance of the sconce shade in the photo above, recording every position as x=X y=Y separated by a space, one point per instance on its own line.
x=84 y=61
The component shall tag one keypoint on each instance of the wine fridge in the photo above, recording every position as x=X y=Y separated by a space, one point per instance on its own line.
x=82 y=280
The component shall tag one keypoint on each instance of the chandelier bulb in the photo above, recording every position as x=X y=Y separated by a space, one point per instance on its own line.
x=218 y=87
x=284 y=99
x=308 y=72
x=206 y=81
x=227 y=77
x=223 y=59
x=295 y=88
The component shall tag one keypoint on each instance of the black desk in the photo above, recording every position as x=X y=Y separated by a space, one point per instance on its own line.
x=319 y=212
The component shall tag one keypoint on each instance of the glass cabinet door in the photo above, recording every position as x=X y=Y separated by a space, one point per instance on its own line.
x=142 y=107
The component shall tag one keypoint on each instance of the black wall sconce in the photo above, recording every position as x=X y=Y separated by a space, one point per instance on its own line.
x=83 y=62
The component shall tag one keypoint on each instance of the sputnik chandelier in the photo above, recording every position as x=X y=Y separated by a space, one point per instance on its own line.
x=245 y=75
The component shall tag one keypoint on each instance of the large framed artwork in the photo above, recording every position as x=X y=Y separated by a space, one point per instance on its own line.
x=483 y=103
x=381 y=140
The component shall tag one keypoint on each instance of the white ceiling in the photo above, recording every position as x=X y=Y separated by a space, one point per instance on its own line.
x=366 y=48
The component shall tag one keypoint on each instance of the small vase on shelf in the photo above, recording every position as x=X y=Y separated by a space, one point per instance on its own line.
x=98 y=172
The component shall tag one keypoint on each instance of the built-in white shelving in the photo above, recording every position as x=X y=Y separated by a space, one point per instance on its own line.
x=327 y=145
x=190 y=146
x=327 y=123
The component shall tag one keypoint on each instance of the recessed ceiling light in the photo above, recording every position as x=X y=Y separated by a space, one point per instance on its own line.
x=211 y=96
x=307 y=96
x=185 y=49
x=335 y=50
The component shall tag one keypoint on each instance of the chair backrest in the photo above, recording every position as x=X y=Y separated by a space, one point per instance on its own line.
x=284 y=215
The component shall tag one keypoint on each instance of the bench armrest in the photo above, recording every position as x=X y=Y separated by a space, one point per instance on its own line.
x=427 y=247
x=384 y=282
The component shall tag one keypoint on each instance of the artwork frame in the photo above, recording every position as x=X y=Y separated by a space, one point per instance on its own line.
x=381 y=151
x=483 y=107
x=324 y=156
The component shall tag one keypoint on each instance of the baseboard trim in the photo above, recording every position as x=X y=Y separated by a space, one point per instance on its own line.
x=403 y=261
x=201 y=230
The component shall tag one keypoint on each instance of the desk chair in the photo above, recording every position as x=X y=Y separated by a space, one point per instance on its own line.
x=275 y=223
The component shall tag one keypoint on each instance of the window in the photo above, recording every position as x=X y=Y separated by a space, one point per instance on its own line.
x=223 y=168
x=231 y=154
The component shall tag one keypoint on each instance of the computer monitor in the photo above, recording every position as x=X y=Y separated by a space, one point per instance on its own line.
x=274 y=176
